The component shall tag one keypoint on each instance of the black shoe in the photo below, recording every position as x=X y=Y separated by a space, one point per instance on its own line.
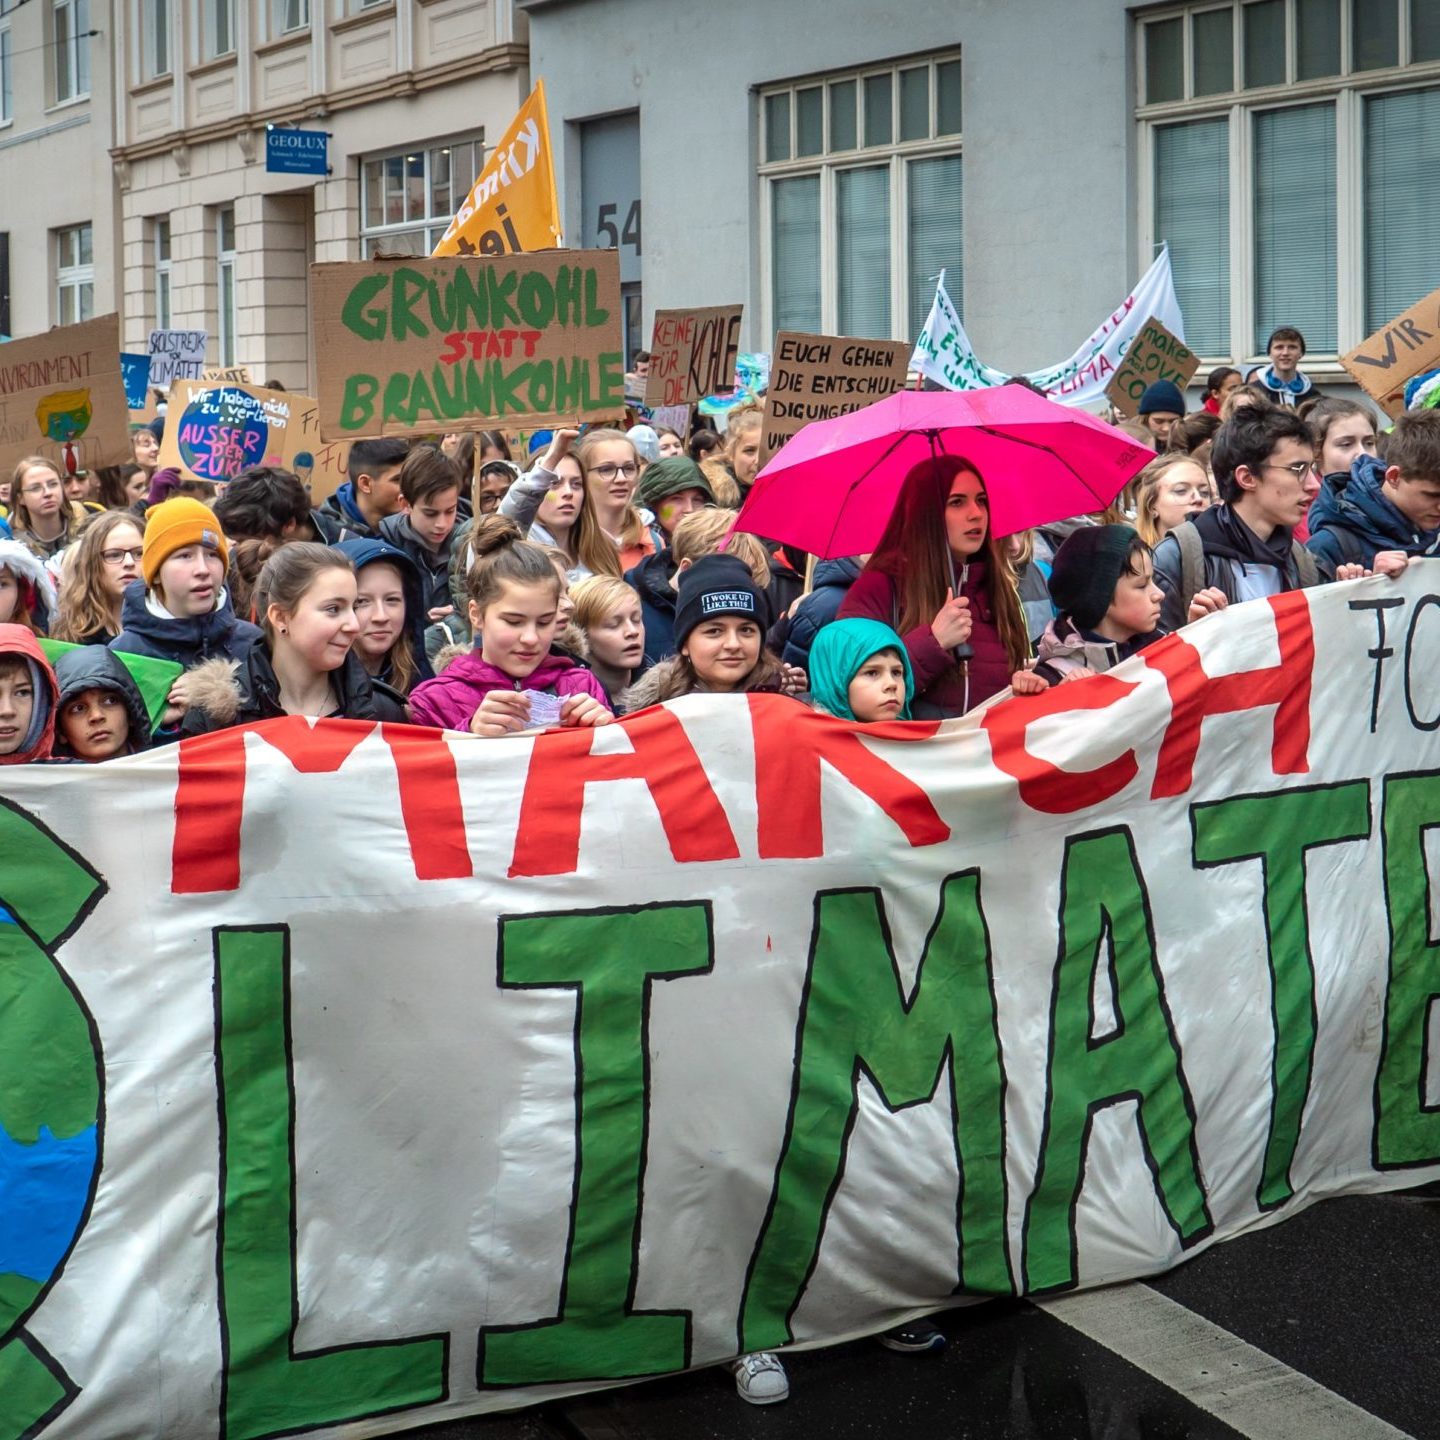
x=916 y=1337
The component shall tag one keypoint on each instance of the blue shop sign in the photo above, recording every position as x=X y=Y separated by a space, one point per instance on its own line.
x=296 y=152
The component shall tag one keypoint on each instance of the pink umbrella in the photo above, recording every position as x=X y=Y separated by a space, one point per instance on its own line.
x=831 y=490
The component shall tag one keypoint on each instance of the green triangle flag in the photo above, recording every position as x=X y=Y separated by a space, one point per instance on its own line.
x=154 y=677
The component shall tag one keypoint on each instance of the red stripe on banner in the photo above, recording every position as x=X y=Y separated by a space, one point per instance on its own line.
x=430 y=802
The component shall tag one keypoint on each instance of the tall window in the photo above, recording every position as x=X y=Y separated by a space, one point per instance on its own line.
x=74 y=275
x=72 y=48
x=225 y=282
x=219 y=27
x=160 y=238
x=292 y=15
x=408 y=198
x=863 y=202
x=7 y=110
x=155 y=24
x=1283 y=141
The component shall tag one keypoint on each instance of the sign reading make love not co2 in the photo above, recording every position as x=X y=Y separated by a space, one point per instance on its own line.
x=604 y=1053
x=415 y=346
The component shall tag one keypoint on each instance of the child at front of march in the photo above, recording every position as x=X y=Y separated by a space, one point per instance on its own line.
x=1103 y=584
x=180 y=609
x=1388 y=509
x=609 y=616
x=28 y=693
x=424 y=528
x=859 y=671
x=721 y=616
x=101 y=711
x=305 y=662
x=512 y=680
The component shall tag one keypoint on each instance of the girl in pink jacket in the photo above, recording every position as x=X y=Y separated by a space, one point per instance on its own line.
x=512 y=680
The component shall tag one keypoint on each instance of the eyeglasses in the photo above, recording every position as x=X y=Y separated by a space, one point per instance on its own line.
x=119 y=557
x=610 y=470
x=1300 y=469
x=48 y=487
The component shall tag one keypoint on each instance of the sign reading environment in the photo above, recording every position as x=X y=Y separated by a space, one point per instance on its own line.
x=370 y=1071
x=296 y=152
x=516 y=341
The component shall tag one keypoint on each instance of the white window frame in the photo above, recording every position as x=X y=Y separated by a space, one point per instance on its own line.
x=72 y=54
x=217 y=28
x=7 y=96
x=897 y=155
x=433 y=224
x=291 y=16
x=1348 y=91
x=157 y=38
x=163 y=252
x=73 y=276
x=225 y=313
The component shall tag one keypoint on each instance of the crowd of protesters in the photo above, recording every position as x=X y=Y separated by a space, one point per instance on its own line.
x=443 y=584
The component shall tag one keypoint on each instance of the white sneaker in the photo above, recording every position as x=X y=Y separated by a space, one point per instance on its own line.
x=760 y=1378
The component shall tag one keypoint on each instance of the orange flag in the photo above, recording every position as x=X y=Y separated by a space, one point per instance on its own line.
x=512 y=206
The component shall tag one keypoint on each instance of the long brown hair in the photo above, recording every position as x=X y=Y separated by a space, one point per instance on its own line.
x=85 y=606
x=589 y=545
x=914 y=553
x=287 y=575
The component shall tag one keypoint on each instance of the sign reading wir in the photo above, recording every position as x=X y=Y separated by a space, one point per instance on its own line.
x=422 y=345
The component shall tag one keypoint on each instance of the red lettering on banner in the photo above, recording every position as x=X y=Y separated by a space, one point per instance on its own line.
x=1043 y=786
x=790 y=743
x=1194 y=695
x=562 y=765
x=210 y=796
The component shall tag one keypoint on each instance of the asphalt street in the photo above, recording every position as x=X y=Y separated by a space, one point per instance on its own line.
x=1323 y=1327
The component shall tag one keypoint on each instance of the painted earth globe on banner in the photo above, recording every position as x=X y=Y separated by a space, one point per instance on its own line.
x=50 y=1067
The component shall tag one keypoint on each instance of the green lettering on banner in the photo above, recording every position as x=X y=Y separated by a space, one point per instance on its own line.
x=358 y=406
x=1278 y=830
x=268 y=1387
x=1407 y=1130
x=856 y=1020
x=367 y=324
x=611 y=959
x=1105 y=917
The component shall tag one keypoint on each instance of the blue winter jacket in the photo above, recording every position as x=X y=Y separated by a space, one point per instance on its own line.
x=832 y=582
x=1351 y=521
x=220 y=635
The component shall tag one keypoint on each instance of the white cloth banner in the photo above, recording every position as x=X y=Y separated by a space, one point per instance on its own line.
x=354 y=1078
x=943 y=352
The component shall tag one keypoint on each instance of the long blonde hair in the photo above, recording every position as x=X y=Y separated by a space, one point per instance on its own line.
x=85 y=605
x=1147 y=493
x=632 y=531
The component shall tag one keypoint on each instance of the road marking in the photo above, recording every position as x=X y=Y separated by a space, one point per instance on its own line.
x=1250 y=1391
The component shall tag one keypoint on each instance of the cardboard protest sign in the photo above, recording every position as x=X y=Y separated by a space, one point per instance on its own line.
x=415 y=346
x=135 y=370
x=1154 y=354
x=62 y=395
x=227 y=374
x=817 y=377
x=703 y=969
x=692 y=354
x=1401 y=350
x=176 y=355
x=320 y=464
x=212 y=432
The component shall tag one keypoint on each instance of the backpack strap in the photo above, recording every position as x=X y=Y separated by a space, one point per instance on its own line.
x=1306 y=571
x=1192 y=564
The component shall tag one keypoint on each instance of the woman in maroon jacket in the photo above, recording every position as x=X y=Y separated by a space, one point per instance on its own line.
x=942 y=580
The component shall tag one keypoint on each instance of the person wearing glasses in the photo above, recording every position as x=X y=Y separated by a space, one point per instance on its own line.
x=41 y=516
x=612 y=471
x=1244 y=547
x=95 y=577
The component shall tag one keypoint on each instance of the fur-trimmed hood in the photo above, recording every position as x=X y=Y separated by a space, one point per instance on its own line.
x=29 y=569
x=214 y=687
x=670 y=679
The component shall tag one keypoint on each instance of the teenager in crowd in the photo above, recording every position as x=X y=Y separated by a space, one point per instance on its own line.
x=812 y=613
x=1032 y=582
x=27 y=593
x=1103 y=585
x=1343 y=431
x=424 y=528
x=145 y=451
x=721 y=616
x=705 y=444
x=304 y=664
x=732 y=469
x=122 y=486
x=671 y=441
x=1161 y=406
x=612 y=471
x=550 y=506
x=27 y=698
x=1244 y=547
x=1187 y=436
x=608 y=613
x=368 y=495
x=97 y=573
x=1243 y=397
x=1221 y=381
x=40 y=515
x=646 y=441
x=1389 y=503
x=1282 y=380
x=859 y=671
x=390 y=608
x=266 y=502
x=671 y=489
x=940 y=578
x=1170 y=490
x=511 y=680
x=100 y=711
x=491 y=484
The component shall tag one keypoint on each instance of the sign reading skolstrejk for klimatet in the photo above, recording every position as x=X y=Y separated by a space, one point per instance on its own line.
x=297 y=152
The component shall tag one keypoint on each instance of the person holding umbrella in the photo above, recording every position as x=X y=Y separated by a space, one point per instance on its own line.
x=940 y=578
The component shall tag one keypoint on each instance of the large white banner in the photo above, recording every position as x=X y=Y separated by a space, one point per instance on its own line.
x=356 y=1077
x=943 y=352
